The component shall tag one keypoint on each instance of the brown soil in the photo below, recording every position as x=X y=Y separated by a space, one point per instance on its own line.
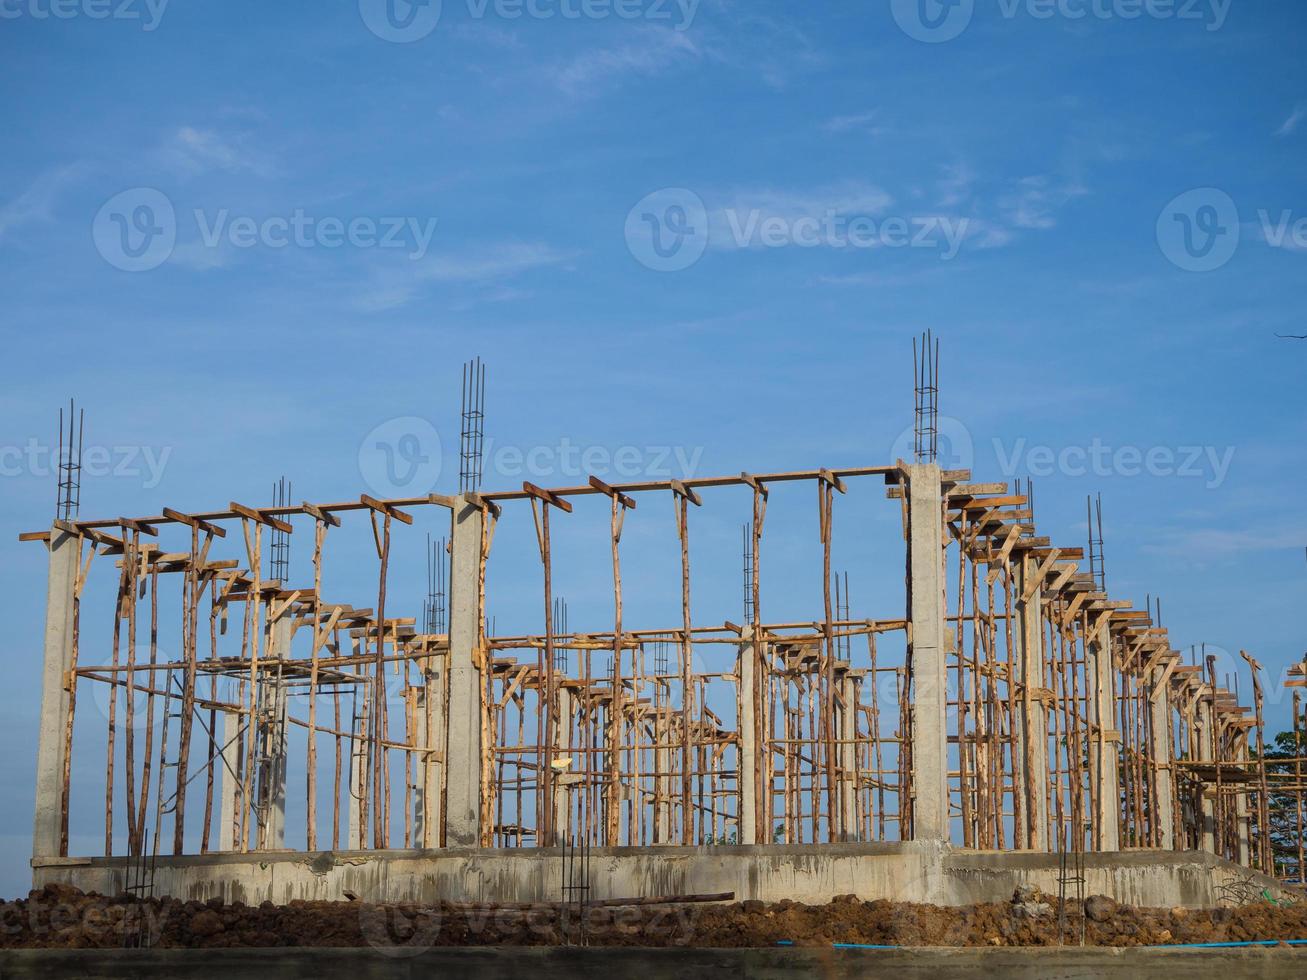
x=63 y=917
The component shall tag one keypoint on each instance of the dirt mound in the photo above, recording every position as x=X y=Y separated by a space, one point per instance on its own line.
x=63 y=917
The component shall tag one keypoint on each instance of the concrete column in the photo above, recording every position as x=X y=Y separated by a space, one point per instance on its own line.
x=229 y=786
x=563 y=779
x=1241 y=829
x=662 y=765
x=272 y=774
x=848 y=755
x=1105 y=757
x=463 y=741
x=1207 y=805
x=1160 y=717
x=356 y=828
x=748 y=747
x=65 y=554
x=358 y=788
x=1032 y=743
x=930 y=813
x=431 y=734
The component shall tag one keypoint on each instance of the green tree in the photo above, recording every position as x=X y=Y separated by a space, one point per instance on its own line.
x=1286 y=806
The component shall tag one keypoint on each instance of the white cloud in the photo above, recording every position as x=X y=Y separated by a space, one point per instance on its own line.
x=195 y=151
x=861 y=121
x=503 y=261
x=955 y=185
x=398 y=286
x=1213 y=542
x=984 y=234
x=594 y=70
x=1290 y=125
x=773 y=48
x=1036 y=200
x=34 y=203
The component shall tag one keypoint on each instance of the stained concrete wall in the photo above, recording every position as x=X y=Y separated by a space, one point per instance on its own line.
x=913 y=872
x=572 y=963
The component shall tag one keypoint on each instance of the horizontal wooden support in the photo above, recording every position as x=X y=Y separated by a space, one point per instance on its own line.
x=389 y=510
x=546 y=496
x=700 y=483
x=241 y=510
x=604 y=488
x=194 y=522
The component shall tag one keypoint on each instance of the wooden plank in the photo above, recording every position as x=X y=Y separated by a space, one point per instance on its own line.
x=547 y=496
x=604 y=488
x=976 y=489
x=139 y=526
x=984 y=503
x=240 y=510
x=389 y=510
x=682 y=490
x=1041 y=570
x=194 y=522
x=830 y=478
x=317 y=513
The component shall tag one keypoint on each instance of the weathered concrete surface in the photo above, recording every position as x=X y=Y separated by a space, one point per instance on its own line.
x=909 y=872
x=926 y=652
x=571 y=963
x=65 y=556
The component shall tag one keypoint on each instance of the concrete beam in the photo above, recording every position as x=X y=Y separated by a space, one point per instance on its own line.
x=910 y=872
x=463 y=739
x=930 y=813
x=65 y=557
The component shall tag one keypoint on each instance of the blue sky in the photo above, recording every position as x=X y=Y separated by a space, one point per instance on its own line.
x=820 y=184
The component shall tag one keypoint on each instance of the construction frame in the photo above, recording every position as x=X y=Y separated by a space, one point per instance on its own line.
x=1013 y=705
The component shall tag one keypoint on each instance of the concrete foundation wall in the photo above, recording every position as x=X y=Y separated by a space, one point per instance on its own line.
x=912 y=872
